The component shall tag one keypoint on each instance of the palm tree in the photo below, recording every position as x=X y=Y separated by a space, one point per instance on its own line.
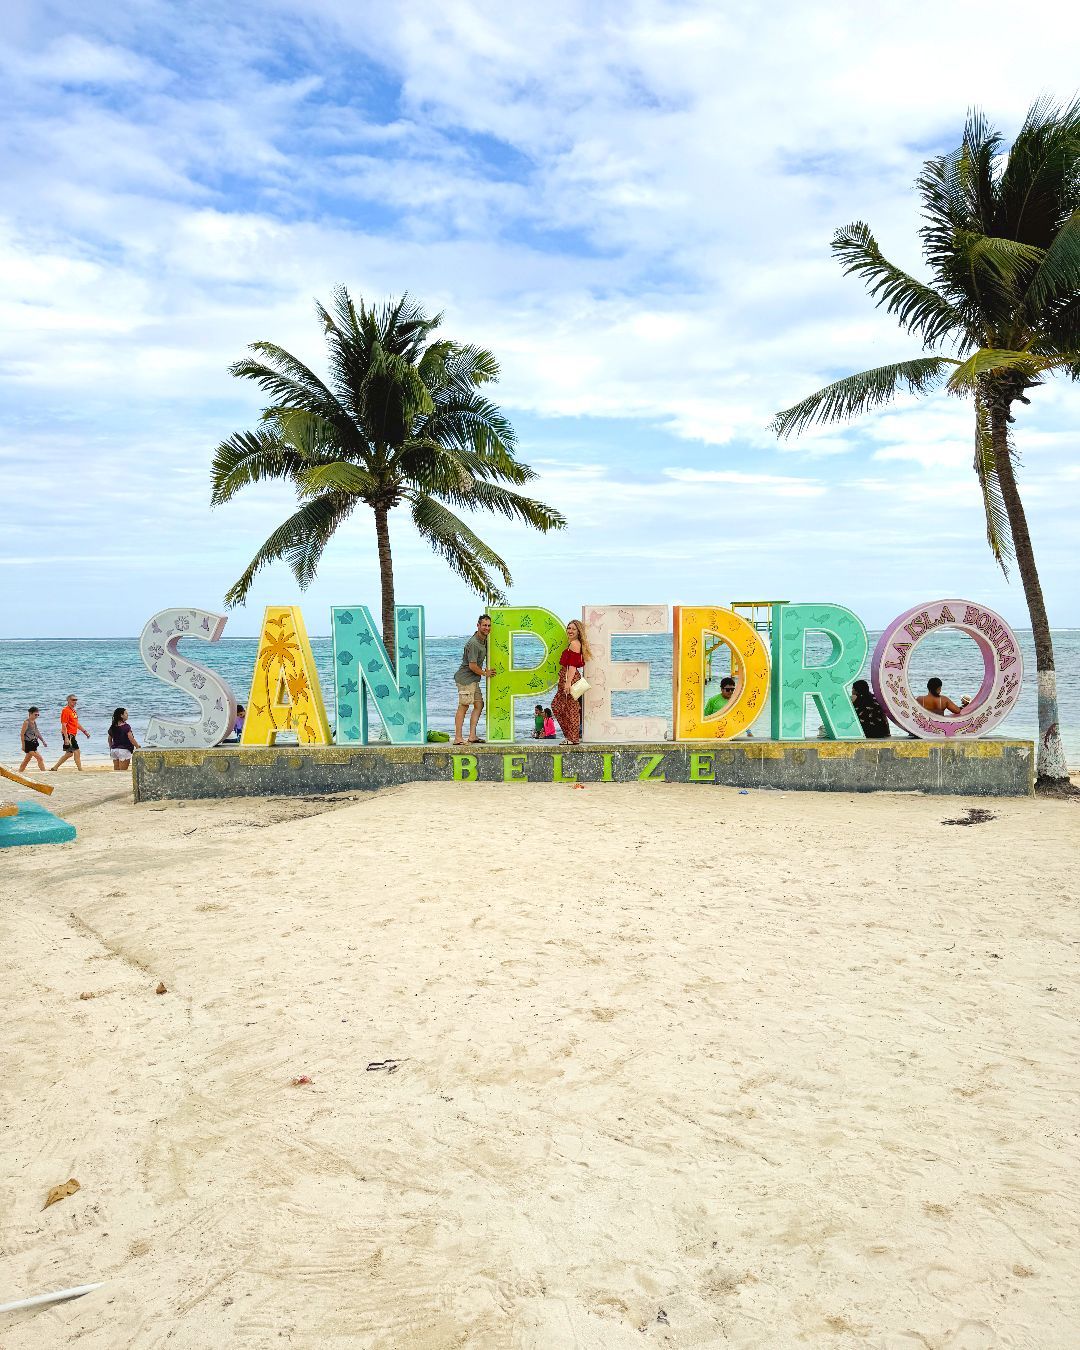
x=1001 y=240
x=401 y=421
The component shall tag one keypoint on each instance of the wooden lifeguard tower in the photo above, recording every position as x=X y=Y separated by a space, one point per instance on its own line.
x=758 y=614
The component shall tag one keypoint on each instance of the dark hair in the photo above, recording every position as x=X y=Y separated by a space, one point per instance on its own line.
x=861 y=688
x=933 y=686
x=539 y=708
x=728 y=679
x=117 y=717
x=239 y=709
x=33 y=710
x=482 y=617
x=547 y=712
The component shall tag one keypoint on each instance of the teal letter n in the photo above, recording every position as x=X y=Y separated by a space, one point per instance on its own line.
x=362 y=668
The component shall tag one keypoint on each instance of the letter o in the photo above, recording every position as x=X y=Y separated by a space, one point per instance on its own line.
x=1003 y=668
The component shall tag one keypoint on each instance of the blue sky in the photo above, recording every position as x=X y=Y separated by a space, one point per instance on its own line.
x=631 y=204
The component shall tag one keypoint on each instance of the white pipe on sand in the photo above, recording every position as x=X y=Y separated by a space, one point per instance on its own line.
x=39 y=1300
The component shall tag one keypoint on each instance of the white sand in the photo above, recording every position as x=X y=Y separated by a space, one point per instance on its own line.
x=678 y=1067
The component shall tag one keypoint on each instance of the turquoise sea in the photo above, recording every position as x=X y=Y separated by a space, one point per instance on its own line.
x=109 y=673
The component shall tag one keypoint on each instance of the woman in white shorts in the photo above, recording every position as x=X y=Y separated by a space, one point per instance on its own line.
x=122 y=740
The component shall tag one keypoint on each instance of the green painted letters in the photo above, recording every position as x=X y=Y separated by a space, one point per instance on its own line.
x=828 y=684
x=514 y=769
x=464 y=768
x=646 y=772
x=701 y=769
x=507 y=683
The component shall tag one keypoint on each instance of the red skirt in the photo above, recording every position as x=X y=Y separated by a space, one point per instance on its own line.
x=566 y=709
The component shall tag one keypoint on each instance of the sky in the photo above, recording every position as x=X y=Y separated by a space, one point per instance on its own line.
x=630 y=204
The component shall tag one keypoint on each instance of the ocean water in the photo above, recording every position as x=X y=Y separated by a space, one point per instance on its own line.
x=109 y=673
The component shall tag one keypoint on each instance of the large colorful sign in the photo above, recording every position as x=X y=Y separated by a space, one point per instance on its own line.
x=772 y=671
x=1003 y=668
x=159 y=649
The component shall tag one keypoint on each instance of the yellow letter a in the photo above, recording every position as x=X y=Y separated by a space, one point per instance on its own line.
x=285 y=693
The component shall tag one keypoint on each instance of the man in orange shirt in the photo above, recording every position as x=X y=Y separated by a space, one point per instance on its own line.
x=70 y=726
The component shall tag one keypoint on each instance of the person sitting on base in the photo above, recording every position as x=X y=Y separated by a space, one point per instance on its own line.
x=934 y=701
x=467 y=678
x=538 y=722
x=871 y=715
x=236 y=731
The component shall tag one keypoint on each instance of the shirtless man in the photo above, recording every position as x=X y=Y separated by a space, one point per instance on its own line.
x=934 y=701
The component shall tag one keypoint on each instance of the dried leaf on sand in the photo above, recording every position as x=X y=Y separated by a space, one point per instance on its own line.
x=62 y=1192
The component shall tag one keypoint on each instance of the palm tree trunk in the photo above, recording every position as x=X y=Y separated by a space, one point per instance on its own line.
x=1050 y=763
x=386 y=577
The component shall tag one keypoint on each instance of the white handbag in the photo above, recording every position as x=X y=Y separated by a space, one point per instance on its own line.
x=578 y=687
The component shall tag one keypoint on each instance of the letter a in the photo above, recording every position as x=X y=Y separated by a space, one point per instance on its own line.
x=285 y=693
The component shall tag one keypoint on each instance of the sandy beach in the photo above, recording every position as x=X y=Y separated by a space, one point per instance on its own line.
x=634 y=1065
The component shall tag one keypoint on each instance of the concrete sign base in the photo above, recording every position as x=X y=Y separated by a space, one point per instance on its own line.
x=993 y=767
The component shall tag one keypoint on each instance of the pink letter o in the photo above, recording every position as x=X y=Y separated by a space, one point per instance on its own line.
x=1003 y=668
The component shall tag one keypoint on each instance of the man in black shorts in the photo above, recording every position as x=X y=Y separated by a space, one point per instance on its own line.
x=70 y=726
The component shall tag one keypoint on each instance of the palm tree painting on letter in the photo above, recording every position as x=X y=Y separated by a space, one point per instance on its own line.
x=1002 y=242
x=402 y=420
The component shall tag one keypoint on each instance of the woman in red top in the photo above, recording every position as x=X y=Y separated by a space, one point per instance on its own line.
x=566 y=708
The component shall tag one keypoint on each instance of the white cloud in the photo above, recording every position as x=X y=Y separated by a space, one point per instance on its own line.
x=776 y=484
x=73 y=60
x=630 y=204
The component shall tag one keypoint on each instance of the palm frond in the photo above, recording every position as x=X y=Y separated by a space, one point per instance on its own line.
x=287 y=387
x=432 y=364
x=1039 y=182
x=300 y=541
x=1057 y=277
x=986 y=360
x=433 y=467
x=461 y=547
x=465 y=419
x=341 y=477
x=468 y=366
x=311 y=436
x=998 y=529
x=957 y=190
x=918 y=308
x=857 y=394
x=482 y=495
x=427 y=458
x=251 y=457
x=1008 y=261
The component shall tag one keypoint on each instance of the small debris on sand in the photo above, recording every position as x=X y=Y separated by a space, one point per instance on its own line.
x=61 y=1192
x=975 y=815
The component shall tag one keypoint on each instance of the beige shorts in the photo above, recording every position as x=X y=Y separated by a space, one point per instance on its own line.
x=470 y=694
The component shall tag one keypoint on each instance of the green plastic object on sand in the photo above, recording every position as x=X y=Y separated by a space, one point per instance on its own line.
x=34 y=825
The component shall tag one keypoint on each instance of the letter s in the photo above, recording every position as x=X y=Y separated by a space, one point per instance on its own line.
x=159 y=649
